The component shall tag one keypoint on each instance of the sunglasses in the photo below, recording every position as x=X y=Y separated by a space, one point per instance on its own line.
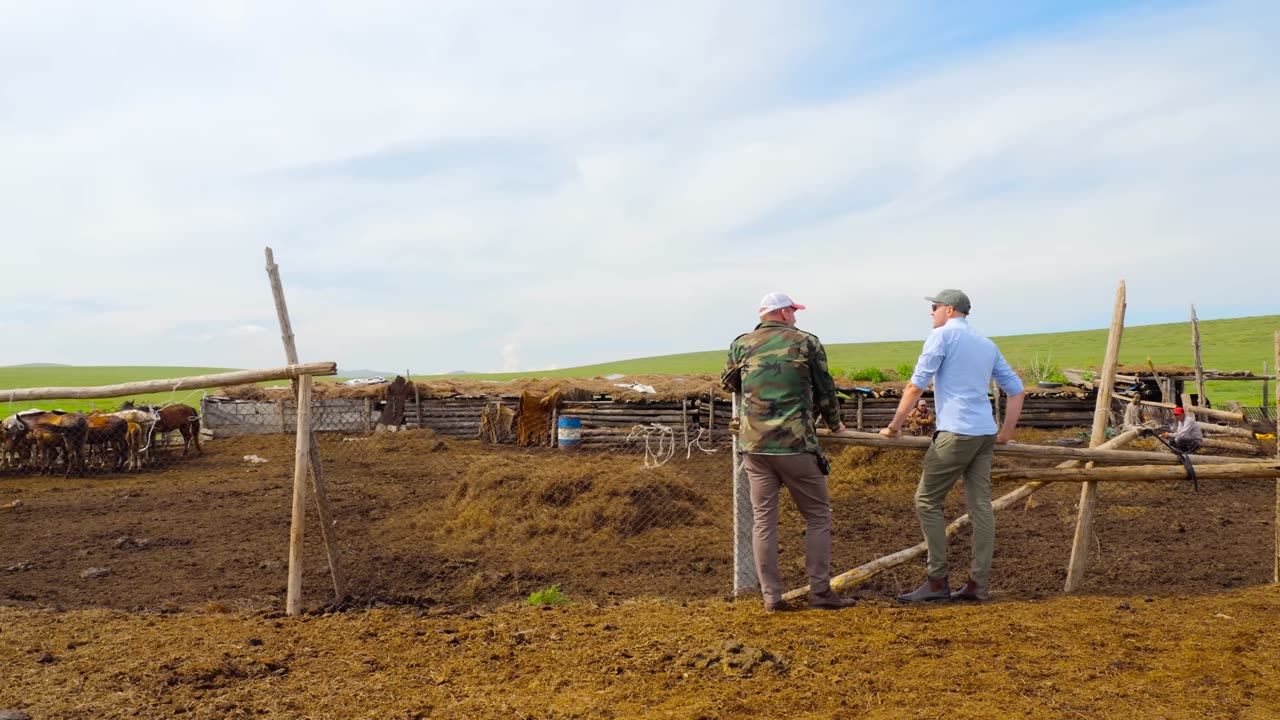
x=935 y=306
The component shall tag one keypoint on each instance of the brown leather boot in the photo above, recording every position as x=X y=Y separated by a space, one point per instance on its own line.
x=932 y=589
x=830 y=601
x=972 y=591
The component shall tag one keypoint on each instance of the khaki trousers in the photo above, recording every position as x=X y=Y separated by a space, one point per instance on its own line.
x=949 y=457
x=808 y=487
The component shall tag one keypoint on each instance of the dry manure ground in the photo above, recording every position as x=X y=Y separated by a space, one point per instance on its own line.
x=441 y=539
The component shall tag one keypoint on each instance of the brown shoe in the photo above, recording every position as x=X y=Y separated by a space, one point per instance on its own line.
x=972 y=591
x=932 y=589
x=830 y=601
x=779 y=606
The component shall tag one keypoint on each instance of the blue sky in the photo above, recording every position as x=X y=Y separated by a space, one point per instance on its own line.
x=515 y=186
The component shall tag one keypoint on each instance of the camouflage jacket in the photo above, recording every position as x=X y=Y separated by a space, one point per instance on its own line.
x=782 y=379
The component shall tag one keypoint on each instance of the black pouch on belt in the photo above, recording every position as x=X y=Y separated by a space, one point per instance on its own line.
x=823 y=464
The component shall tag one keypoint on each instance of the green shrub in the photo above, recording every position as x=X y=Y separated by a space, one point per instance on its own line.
x=905 y=370
x=550 y=596
x=867 y=374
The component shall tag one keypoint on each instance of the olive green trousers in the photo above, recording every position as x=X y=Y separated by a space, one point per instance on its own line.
x=950 y=457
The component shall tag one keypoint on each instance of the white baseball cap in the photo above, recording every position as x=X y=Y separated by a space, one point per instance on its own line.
x=777 y=301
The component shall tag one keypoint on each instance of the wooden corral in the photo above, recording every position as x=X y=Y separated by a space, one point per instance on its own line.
x=607 y=419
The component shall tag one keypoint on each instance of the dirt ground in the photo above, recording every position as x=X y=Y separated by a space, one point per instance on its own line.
x=159 y=594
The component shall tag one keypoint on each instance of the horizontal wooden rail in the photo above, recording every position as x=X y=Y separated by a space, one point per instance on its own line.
x=194 y=382
x=1132 y=457
x=1234 y=471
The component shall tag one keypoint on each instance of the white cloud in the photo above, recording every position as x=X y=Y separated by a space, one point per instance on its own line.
x=458 y=185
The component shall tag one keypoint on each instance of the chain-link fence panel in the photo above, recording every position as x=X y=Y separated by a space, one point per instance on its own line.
x=422 y=515
x=436 y=515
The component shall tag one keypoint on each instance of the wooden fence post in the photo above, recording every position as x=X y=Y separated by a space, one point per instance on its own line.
x=298 y=518
x=684 y=420
x=1266 y=387
x=744 y=566
x=312 y=459
x=1275 y=573
x=1101 y=414
x=1195 y=346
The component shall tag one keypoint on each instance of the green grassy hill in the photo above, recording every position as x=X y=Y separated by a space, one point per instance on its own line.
x=78 y=376
x=1231 y=344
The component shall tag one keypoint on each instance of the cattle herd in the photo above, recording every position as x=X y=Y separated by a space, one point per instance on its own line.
x=114 y=441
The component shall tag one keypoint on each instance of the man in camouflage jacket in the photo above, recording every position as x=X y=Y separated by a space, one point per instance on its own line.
x=780 y=374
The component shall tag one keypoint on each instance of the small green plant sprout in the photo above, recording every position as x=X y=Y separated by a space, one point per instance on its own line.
x=550 y=596
x=1044 y=370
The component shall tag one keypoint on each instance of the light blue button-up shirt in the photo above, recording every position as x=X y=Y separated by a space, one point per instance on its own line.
x=961 y=362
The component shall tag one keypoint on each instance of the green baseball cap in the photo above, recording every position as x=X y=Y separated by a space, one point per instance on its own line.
x=952 y=297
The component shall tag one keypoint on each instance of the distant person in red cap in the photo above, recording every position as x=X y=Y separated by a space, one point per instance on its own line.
x=1186 y=435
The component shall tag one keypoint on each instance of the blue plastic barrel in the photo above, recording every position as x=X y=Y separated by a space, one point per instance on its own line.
x=569 y=432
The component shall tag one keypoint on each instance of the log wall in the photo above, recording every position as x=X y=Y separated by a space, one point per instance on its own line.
x=604 y=423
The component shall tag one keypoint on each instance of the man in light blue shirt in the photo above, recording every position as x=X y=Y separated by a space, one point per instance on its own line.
x=961 y=362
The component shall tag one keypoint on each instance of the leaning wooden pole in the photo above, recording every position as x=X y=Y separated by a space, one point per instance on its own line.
x=1193 y=409
x=1101 y=418
x=323 y=509
x=1195 y=348
x=1140 y=473
x=863 y=573
x=1275 y=573
x=293 y=598
x=1103 y=453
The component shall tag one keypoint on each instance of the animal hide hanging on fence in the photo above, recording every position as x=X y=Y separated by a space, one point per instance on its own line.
x=533 y=421
x=393 y=412
x=496 y=422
